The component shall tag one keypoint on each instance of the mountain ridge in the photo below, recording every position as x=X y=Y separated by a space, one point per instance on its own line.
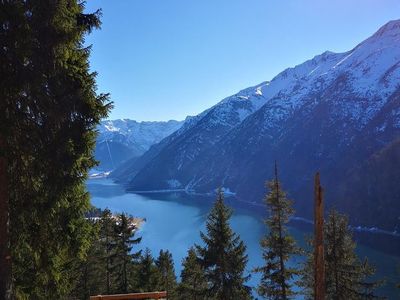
x=311 y=117
x=123 y=139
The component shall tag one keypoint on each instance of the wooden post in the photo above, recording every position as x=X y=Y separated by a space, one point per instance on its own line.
x=319 y=263
x=5 y=257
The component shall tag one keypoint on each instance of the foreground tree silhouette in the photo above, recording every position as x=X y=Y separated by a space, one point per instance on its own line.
x=90 y=273
x=193 y=282
x=166 y=273
x=224 y=256
x=110 y=264
x=278 y=246
x=107 y=245
x=147 y=276
x=122 y=257
x=48 y=113
x=346 y=276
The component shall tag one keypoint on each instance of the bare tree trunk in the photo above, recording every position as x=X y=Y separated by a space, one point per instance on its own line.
x=319 y=264
x=5 y=256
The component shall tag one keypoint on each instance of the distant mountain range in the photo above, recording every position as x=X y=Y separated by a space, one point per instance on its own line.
x=338 y=113
x=120 y=140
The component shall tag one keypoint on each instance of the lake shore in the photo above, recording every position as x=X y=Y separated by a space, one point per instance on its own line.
x=174 y=221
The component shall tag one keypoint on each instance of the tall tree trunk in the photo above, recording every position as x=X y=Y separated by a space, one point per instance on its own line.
x=281 y=261
x=5 y=256
x=319 y=262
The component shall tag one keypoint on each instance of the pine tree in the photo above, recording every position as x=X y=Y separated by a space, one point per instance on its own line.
x=146 y=273
x=193 y=282
x=278 y=246
x=346 y=276
x=224 y=255
x=166 y=271
x=122 y=256
x=48 y=113
x=109 y=265
x=367 y=287
x=90 y=273
x=307 y=279
x=107 y=245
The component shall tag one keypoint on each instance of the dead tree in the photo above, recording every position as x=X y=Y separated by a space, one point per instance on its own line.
x=319 y=264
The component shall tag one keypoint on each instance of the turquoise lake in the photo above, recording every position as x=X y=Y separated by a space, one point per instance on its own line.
x=174 y=221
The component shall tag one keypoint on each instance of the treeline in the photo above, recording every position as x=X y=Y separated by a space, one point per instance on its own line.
x=217 y=268
x=213 y=271
x=112 y=266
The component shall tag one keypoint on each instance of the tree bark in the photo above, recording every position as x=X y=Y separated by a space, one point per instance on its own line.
x=5 y=256
x=319 y=263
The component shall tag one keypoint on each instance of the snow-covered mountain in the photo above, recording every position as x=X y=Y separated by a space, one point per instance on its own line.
x=334 y=113
x=119 y=140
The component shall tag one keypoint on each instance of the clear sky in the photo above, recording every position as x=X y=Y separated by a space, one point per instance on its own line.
x=166 y=59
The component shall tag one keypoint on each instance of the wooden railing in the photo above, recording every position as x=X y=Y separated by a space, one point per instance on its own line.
x=151 y=295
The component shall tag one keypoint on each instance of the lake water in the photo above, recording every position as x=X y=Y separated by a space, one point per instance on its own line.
x=174 y=220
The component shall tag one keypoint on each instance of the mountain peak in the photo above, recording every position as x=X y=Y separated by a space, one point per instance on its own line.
x=333 y=112
x=391 y=28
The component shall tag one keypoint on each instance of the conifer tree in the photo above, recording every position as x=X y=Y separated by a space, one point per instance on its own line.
x=107 y=245
x=368 y=286
x=122 y=256
x=110 y=264
x=48 y=113
x=224 y=256
x=278 y=246
x=193 y=282
x=307 y=279
x=146 y=273
x=90 y=273
x=166 y=272
x=346 y=276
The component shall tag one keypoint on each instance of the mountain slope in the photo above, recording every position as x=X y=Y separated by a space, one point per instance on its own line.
x=120 y=140
x=330 y=113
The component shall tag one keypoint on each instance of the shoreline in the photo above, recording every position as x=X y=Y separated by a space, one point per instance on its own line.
x=355 y=228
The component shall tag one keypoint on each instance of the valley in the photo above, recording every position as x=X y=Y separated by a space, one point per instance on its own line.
x=174 y=221
x=337 y=113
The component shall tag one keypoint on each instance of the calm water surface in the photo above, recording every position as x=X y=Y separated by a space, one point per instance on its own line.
x=174 y=220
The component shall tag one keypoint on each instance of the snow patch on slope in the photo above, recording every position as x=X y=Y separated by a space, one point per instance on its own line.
x=140 y=134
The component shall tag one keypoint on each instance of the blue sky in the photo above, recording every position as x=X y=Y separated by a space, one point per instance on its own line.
x=166 y=59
